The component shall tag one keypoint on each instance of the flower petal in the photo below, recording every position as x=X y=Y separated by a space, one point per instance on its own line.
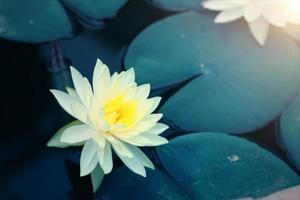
x=100 y=140
x=64 y=100
x=229 y=15
x=79 y=111
x=153 y=102
x=88 y=158
x=141 y=157
x=82 y=87
x=142 y=92
x=134 y=164
x=119 y=147
x=145 y=139
x=72 y=93
x=105 y=158
x=78 y=133
x=274 y=15
x=218 y=5
x=129 y=77
x=252 y=12
x=158 y=129
x=101 y=80
x=260 y=30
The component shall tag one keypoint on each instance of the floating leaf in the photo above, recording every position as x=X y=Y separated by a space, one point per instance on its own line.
x=220 y=166
x=240 y=86
x=125 y=185
x=97 y=9
x=290 y=130
x=34 y=20
x=203 y=166
x=55 y=140
x=87 y=47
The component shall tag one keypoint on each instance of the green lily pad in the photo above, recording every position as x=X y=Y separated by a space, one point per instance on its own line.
x=97 y=9
x=239 y=87
x=290 y=131
x=203 y=166
x=123 y=184
x=178 y=5
x=220 y=166
x=34 y=20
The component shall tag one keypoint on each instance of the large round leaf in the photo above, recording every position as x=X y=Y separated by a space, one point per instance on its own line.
x=86 y=47
x=96 y=9
x=220 y=166
x=203 y=166
x=33 y=20
x=242 y=86
x=290 y=131
x=123 y=184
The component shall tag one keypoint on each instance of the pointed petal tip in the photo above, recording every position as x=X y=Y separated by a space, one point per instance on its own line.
x=99 y=61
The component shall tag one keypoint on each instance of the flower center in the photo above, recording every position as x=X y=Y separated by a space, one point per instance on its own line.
x=120 y=111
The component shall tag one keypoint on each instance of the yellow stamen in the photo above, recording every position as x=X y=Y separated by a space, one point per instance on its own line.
x=120 y=111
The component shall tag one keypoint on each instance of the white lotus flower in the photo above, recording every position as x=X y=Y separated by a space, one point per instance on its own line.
x=258 y=13
x=116 y=113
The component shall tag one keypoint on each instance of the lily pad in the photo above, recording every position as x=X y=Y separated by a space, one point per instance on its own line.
x=203 y=166
x=220 y=166
x=96 y=9
x=34 y=20
x=290 y=131
x=125 y=185
x=239 y=87
x=179 y=5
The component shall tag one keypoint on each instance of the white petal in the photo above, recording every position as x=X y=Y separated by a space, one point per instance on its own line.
x=82 y=86
x=154 y=102
x=129 y=77
x=88 y=158
x=142 y=92
x=105 y=158
x=229 y=15
x=152 y=118
x=252 y=12
x=101 y=80
x=88 y=92
x=64 y=100
x=134 y=164
x=145 y=139
x=141 y=157
x=130 y=91
x=158 y=129
x=78 y=133
x=275 y=16
x=100 y=140
x=144 y=125
x=79 y=111
x=72 y=93
x=119 y=147
x=260 y=30
x=219 y=5
x=294 y=17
